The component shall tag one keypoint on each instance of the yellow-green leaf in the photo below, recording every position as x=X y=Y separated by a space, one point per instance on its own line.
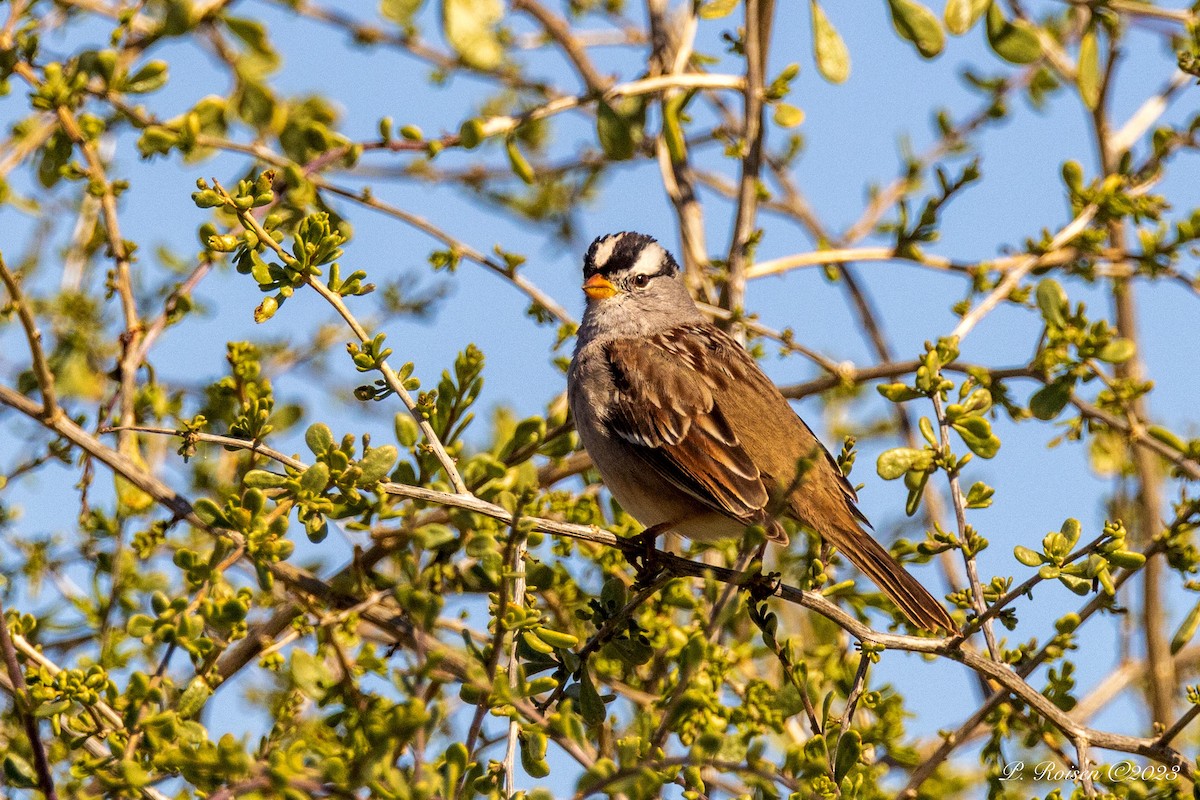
x=1187 y=630
x=1014 y=41
x=470 y=28
x=520 y=166
x=829 y=49
x=672 y=128
x=715 y=9
x=399 y=11
x=961 y=15
x=976 y=433
x=919 y=25
x=1089 y=69
x=849 y=751
x=1027 y=557
x=1118 y=351
x=1052 y=302
x=615 y=133
x=787 y=115
x=893 y=463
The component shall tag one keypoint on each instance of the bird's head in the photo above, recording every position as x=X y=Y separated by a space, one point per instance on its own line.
x=633 y=286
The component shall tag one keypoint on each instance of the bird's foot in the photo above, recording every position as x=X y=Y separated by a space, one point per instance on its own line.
x=763 y=586
x=642 y=554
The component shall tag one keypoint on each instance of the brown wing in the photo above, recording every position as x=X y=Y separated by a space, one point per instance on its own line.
x=667 y=411
x=723 y=433
x=820 y=496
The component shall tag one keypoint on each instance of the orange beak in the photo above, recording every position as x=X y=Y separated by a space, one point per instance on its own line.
x=599 y=287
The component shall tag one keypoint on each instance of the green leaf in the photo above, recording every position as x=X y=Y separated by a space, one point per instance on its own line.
x=672 y=128
x=194 y=697
x=1049 y=401
x=898 y=392
x=210 y=513
x=470 y=134
x=407 y=430
x=919 y=25
x=377 y=463
x=50 y=709
x=18 y=772
x=976 y=433
x=1118 y=351
x=893 y=463
x=470 y=29
x=591 y=707
x=262 y=479
x=1089 y=69
x=1030 y=558
x=533 y=754
x=612 y=593
x=1126 y=559
x=150 y=77
x=527 y=433
x=1052 y=302
x=1167 y=437
x=518 y=162
x=849 y=751
x=315 y=478
x=1071 y=531
x=310 y=674
x=961 y=15
x=1014 y=41
x=1078 y=585
x=139 y=625
x=980 y=495
x=1187 y=630
x=265 y=310
x=319 y=438
x=615 y=133
x=829 y=49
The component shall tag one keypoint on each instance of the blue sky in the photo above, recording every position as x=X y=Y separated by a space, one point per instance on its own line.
x=853 y=136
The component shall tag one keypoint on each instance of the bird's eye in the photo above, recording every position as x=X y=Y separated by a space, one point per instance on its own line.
x=640 y=281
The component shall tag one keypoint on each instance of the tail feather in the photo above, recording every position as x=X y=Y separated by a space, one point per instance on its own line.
x=921 y=608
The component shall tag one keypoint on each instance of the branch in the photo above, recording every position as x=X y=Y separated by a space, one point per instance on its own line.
x=41 y=368
x=390 y=377
x=1023 y=268
x=558 y=30
x=755 y=41
x=518 y=599
x=960 y=518
x=122 y=279
x=1181 y=723
x=946 y=647
x=24 y=709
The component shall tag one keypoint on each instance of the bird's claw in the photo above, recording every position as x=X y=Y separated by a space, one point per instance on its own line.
x=642 y=555
x=763 y=586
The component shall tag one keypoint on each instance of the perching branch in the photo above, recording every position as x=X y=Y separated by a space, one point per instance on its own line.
x=948 y=647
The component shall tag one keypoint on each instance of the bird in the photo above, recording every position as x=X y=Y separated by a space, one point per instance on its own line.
x=688 y=433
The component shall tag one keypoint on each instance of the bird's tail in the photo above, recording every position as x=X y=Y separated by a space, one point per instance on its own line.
x=921 y=608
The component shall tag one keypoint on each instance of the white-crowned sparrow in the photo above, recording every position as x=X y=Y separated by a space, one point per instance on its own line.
x=691 y=436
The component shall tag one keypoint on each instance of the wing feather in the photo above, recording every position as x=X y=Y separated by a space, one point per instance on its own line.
x=668 y=411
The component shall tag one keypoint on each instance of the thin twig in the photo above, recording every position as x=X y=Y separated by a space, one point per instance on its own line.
x=560 y=31
x=755 y=43
x=390 y=377
x=41 y=367
x=947 y=647
x=24 y=709
x=960 y=518
x=514 y=667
